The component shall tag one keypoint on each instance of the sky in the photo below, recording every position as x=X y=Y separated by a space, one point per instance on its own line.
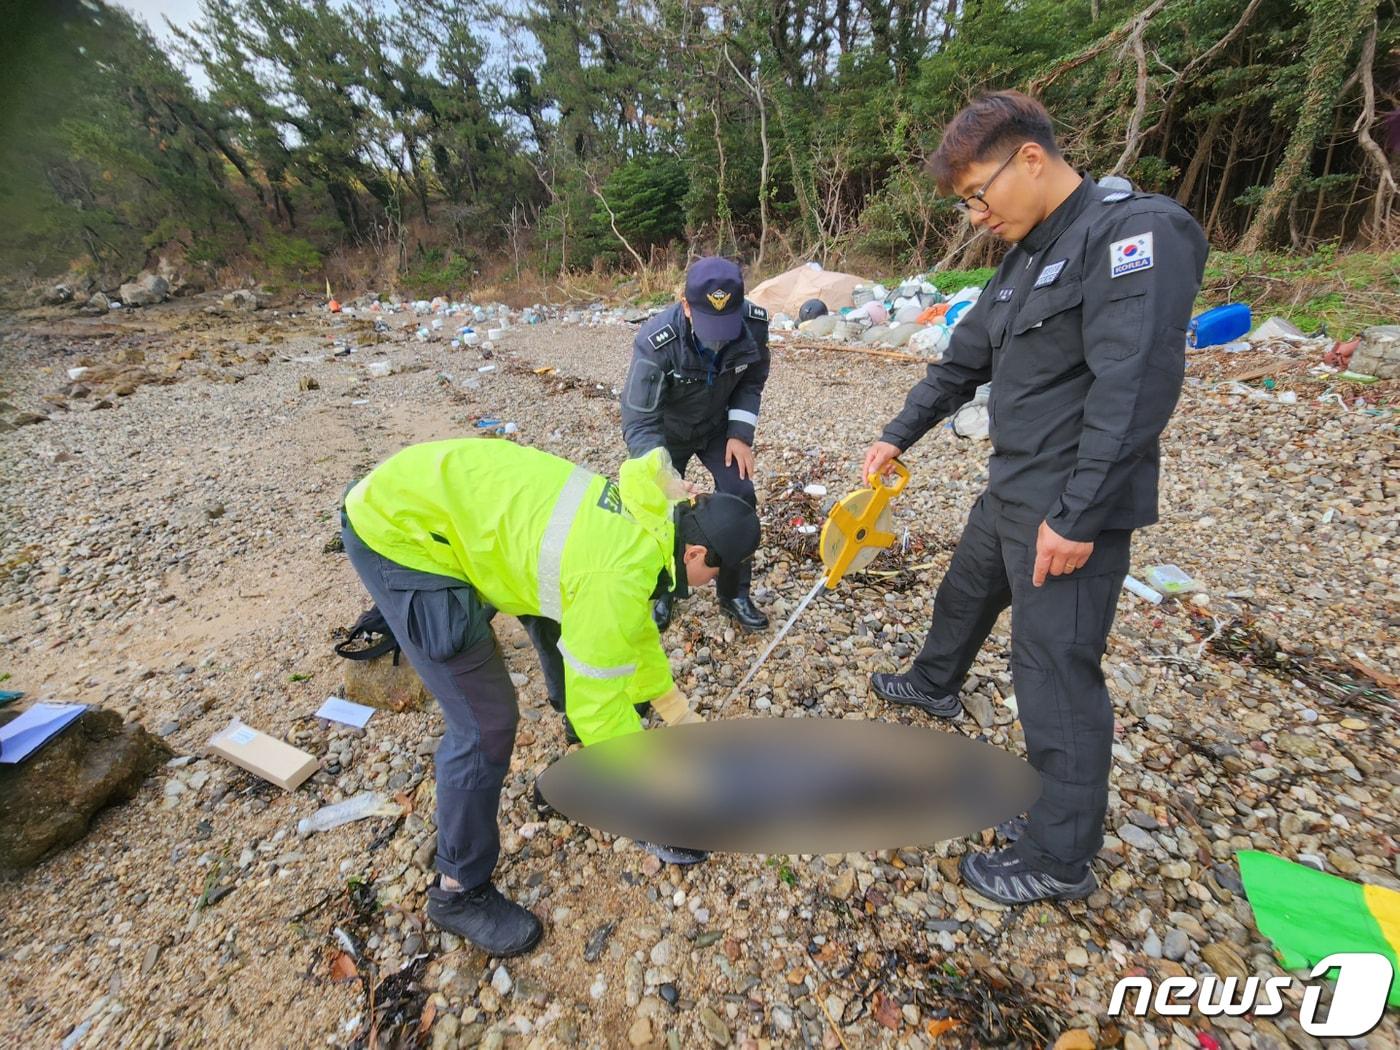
x=182 y=13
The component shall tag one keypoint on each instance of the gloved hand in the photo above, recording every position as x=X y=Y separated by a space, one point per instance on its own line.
x=674 y=708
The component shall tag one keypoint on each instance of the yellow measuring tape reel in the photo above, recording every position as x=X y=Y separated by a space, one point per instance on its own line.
x=858 y=527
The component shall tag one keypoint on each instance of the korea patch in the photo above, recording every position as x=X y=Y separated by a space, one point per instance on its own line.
x=1049 y=274
x=1004 y=296
x=662 y=336
x=1130 y=255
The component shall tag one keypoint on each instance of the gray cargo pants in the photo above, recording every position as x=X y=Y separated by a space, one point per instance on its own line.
x=444 y=628
x=1058 y=635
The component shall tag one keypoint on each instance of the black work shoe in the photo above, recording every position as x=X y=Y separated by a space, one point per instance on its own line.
x=748 y=615
x=661 y=612
x=1006 y=878
x=674 y=854
x=570 y=737
x=541 y=804
x=1013 y=829
x=897 y=689
x=483 y=916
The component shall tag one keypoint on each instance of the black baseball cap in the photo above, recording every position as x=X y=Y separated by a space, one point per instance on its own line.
x=727 y=526
x=714 y=288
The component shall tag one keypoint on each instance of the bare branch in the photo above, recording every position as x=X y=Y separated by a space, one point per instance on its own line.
x=612 y=221
x=1362 y=127
x=1133 y=138
x=1117 y=36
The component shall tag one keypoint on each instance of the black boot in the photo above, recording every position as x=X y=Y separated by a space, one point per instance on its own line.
x=483 y=916
x=742 y=609
x=661 y=612
x=570 y=737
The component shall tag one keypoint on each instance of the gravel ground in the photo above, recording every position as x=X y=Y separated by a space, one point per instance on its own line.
x=163 y=552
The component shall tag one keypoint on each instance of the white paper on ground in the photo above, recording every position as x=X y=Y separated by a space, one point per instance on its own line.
x=347 y=711
x=22 y=736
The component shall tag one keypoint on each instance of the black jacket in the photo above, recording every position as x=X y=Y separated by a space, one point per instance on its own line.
x=1082 y=333
x=678 y=396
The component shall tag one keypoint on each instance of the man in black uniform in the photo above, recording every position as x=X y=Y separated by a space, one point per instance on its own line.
x=1082 y=335
x=695 y=385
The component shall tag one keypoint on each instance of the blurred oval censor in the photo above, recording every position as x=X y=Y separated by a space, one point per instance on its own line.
x=778 y=785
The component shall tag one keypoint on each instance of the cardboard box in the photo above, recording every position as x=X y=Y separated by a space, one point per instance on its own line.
x=263 y=756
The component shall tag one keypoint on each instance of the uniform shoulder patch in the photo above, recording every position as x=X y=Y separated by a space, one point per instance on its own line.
x=663 y=335
x=757 y=313
x=1114 y=198
x=1130 y=255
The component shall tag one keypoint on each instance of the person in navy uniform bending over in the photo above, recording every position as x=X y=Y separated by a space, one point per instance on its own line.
x=1082 y=334
x=694 y=388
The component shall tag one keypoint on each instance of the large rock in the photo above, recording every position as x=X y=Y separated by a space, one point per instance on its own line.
x=147 y=290
x=379 y=683
x=48 y=800
x=55 y=295
x=97 y=305
x=1378 y=353
x=243 y=299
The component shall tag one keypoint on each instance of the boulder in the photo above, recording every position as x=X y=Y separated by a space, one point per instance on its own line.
x=48 y=800
x=97 y=305
x=1378 y=353
x=383 y=684
x=55 y=295
x=242 y=299
x=147 y=290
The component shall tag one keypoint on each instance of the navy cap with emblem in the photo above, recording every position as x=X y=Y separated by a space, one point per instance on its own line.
x=714 y=288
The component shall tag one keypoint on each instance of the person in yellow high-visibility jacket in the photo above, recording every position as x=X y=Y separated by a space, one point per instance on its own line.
x=447 y=533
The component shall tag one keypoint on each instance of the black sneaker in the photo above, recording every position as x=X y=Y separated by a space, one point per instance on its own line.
x=483 y=916
x=897 y=689
x=1004 y=877
x=674 y=854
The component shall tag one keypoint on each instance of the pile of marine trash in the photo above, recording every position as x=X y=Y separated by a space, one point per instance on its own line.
x=913 y=315
x=467 y=324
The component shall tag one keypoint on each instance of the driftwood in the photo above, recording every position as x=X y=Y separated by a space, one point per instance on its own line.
x=840 y=348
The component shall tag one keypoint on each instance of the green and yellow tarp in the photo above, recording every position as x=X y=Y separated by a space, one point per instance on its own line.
x=1309 y=914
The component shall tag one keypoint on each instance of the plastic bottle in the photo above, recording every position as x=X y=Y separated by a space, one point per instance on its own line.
x=367 y=804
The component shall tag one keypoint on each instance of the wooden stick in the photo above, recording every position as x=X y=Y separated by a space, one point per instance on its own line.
x=837 y=348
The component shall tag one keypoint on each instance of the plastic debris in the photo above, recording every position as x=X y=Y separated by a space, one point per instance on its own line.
x=1220 y=325
x=1146 y=593
x=367 y=804
x=1170 y=579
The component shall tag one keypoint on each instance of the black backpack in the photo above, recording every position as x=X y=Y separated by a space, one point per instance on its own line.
x=370 y=624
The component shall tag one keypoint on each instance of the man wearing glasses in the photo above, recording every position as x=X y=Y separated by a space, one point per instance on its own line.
x=1082 y=335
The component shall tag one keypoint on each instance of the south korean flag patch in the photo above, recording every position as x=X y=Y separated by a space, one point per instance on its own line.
x=1130 y=255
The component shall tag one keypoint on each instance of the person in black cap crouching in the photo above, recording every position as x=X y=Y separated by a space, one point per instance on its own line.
x=694 y=388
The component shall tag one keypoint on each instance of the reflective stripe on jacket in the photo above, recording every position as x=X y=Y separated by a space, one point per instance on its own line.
x=537 y=535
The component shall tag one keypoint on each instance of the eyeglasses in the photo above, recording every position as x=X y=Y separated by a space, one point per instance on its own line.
x=977 y=202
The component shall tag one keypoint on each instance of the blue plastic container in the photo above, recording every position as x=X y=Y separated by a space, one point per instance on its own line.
x=1220 y=325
